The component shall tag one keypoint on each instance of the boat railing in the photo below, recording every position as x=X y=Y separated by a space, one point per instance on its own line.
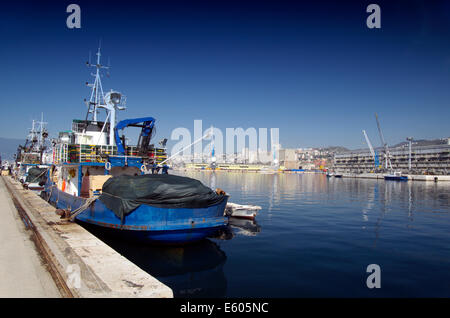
x=31 y=158
x=78 y=153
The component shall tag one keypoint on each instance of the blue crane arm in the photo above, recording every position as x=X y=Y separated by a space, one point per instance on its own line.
x=146 y=123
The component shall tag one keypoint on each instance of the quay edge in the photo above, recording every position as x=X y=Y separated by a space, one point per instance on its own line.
x=411 y=177
x=69 y=248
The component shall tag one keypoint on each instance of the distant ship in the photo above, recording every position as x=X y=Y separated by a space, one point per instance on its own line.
x=396 y=176
x=32 y=158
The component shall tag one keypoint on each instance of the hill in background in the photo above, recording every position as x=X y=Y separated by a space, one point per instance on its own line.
x=423 y=142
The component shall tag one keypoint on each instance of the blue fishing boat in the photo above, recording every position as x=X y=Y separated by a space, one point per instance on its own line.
x=97 y=178
x=147 y=223
x=396 y=176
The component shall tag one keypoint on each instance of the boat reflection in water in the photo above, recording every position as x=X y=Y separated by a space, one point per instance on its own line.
x=244 y=226
x=193 y=270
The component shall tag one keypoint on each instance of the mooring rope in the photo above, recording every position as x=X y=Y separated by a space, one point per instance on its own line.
x=51 y=192
x=83 y=207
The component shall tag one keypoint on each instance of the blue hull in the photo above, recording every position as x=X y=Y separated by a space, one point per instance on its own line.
x=148 y=223
x=396 y=178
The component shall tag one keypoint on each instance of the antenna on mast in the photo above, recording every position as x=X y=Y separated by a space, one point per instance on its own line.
x=111 y=102
x=108 y=67
x=97 y=98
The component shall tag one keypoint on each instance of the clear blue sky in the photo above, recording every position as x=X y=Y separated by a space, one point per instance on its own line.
x=313 y=69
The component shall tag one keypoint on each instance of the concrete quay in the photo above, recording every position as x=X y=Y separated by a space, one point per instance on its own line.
x=22 y=271
x=80 y=264
x=411 y=177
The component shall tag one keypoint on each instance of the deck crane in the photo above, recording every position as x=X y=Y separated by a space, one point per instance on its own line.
x=372 y=151
x=384 y=144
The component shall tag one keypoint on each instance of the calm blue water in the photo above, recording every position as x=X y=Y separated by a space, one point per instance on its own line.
x=314 y=237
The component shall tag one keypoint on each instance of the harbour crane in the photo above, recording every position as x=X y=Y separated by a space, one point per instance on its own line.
x=372 y=151
x=384 y=144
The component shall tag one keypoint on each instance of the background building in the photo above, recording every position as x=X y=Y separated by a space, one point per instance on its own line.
x=429 y=159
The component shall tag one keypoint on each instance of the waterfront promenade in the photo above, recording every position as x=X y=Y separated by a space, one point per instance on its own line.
x=22 y=272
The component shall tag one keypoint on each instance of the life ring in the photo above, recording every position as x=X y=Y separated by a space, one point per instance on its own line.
x=108 y=165
x=143 y=169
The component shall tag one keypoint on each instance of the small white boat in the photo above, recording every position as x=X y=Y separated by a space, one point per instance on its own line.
x=242 y=211
x=334 y=174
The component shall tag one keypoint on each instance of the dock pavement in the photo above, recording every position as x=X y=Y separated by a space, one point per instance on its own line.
x=23 y=273
x=50 y=257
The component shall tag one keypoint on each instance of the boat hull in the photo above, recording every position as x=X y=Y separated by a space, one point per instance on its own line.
x=396 y=178
x=243 y=214
x=148 y=223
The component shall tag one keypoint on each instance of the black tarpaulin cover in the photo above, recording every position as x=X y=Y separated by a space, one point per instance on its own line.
x=123 y=194
x=35 y=175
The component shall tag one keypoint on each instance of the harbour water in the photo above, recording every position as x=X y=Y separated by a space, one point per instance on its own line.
x=314 y=237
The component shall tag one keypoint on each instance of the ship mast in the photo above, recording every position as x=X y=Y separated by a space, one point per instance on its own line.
x=43 y=134
x=97 y=98
x=32 y=138
x=111 y=102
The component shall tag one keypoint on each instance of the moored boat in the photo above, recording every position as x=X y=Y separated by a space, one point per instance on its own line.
x=242 y=211
x=396 y=176
x=33 y=154
x=333 y=174
x=166 y=213
x=97 y=178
